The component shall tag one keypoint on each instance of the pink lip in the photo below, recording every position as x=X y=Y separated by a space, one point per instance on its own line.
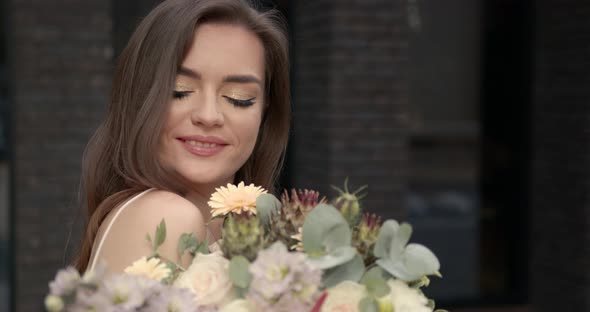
x=203 y=139
x=202 y=150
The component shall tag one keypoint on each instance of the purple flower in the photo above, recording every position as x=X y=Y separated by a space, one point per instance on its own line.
x=283 y=280
x=65 y=283
x=125 y=292
x=171 y=299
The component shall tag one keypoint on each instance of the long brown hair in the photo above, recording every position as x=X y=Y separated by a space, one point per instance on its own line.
x=121 y=158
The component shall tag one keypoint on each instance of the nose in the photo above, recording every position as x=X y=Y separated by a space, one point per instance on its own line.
x=207 y=112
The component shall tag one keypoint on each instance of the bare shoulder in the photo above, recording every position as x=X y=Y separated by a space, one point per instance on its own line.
x=125 y=241
x=157 y=205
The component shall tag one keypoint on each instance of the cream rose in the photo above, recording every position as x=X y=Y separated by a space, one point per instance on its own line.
x=208 y=278
x=405 y=298
x=344 y=297
x=240 y=305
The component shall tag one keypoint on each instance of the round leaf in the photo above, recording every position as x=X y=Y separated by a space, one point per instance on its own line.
x=334 y=258
x=420 y=260
x=385 y=238
x=396 y=269
x=368 y=304
x=325 y=229
x=375 y=282
x=266 y=205
x=400 y=240
x=239 y=272
x=350 y=271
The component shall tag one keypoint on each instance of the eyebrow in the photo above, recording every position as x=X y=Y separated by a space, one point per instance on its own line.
x=230 y=78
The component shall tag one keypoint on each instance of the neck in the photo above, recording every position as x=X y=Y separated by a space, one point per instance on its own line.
x=200 y=198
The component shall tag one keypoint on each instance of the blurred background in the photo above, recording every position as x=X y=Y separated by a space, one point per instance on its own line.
x=468 y=118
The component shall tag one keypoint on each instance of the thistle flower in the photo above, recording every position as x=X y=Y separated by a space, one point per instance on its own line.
x=286 y=222
x=299 y=204
x=283 y=281
x=349 y=203
x=299 y=238
x=242 y=235
x=365 y=236
x=236 y=199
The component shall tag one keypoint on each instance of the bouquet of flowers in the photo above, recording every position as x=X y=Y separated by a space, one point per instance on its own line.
x=299 y=253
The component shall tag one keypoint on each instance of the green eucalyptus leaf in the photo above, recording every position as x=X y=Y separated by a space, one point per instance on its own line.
x=181 y=247
x=182 y=244
x=349 y=271
x=419 y=260
x=325 y=230
x=385 y=238
x=239 y=272
x=148 y=238
x=240 y=292
x=202 y=248
x=368 y=304
x=396 y=269
x=266 y=205
x=375 y=282
x=415 y=262
x=334 y=258
x=187 y=242
x=160 y=234
x=400 y=240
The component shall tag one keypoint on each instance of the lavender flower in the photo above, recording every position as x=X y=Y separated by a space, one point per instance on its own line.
x=65 y=283
x=90 y=301
x=283 y=281
x=125 y=292
x=94 y=277
x=172 y=299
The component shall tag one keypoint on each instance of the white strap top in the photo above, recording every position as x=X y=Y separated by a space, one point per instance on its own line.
x=99 y=247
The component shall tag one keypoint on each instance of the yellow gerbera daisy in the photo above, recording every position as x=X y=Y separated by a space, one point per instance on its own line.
x=236 y=199
x=152 y=268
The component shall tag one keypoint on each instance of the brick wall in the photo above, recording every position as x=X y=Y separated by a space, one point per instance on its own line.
x=60 y=57
x=350 y=95
x=561 y=143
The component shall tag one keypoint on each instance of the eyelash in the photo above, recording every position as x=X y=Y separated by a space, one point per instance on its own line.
x=179 y=95
x=240 y=103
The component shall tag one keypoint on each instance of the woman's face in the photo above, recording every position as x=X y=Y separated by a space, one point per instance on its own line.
x=215 y=112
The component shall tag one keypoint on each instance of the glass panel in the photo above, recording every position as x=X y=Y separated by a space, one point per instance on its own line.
x=4 y=173
x=443 y=197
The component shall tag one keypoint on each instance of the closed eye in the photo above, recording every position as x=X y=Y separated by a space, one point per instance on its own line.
x=240 y=103
x=178 y=95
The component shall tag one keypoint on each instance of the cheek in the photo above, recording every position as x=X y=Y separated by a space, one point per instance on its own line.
x=247 y=129
x=172 y=120
x=252 y=130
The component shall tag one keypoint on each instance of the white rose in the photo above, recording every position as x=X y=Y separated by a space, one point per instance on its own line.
x=344 y=297
x=208 y=278
x=240 y=305
x=405 y=298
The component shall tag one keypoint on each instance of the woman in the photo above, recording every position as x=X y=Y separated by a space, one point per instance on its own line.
x=200 y=99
